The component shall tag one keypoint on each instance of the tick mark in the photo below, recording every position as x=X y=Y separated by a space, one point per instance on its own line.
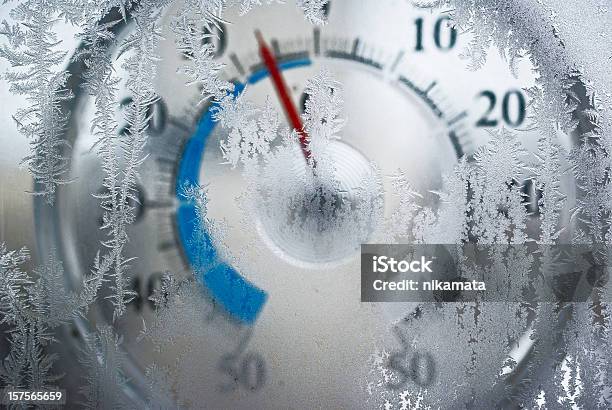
x=355 y=46
x=158 y=204
x=457 y=118
x=164 y=160
x=399 y=57
x=237 y=63
x=275 y=47
x=456 y=144
x=430 y=87
x=166 y=246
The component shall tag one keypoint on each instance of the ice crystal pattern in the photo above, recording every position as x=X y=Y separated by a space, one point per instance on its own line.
x=481 y=200
x=32 y=306
x=33 y=52
x=103 y=360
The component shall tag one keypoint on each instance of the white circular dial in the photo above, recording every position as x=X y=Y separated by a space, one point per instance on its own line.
x=303 y=338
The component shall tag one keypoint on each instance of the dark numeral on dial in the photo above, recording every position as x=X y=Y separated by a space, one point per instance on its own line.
x=444 y=36
x=144 y=290
x=513 y=117
x=420 y=369
x=217 y=37
x=247 y=371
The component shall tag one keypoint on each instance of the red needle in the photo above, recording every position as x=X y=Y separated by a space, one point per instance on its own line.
x=283 y=93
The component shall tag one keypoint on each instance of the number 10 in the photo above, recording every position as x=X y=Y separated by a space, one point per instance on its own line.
x=441 y=44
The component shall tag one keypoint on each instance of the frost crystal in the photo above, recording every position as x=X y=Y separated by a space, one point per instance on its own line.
x=32 y=51
x=322 y=120
x=314 y=10
x=247 y=5
x=120 y=155
x=308 y=204
x=183 y=300
x=202 y=68
x=252 y=130
x=176 y=300
x=499 y=215
x=32 y=308
x=121 y=186
x=160 y=388
x=400 y=222
x=548 y=182
x=103 y=360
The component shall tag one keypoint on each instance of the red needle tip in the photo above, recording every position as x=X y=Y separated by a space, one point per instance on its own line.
x=282 y=92
x=259 y=37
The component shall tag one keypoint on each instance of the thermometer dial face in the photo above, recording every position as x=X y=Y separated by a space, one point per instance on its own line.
x=411 y=103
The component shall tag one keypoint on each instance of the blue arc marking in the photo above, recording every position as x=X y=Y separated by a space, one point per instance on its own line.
x=240 y=298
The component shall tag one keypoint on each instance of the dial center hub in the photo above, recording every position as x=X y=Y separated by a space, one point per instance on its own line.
x=320 y=217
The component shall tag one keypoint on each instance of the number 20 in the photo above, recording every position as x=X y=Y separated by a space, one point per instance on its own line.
x=486 y=121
